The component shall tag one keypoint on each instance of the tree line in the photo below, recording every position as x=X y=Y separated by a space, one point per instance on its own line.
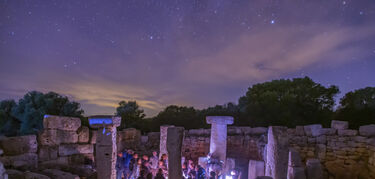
x=286 y=102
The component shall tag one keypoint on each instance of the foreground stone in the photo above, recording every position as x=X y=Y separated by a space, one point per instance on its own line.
x=19 y=145
x=31 y=175
x=256 y=168
x=61 y=123
x=314 y=169
x=174 y=144
x=56 y=137
x=15 y=174
x=277 y=152
x=57 y=174
x=70 y=149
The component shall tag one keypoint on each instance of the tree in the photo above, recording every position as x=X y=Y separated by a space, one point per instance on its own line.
x=179 y=116
x=358 y=107
x=34 y=105
x=131 y=115
x=9 y=124
x=293 y=102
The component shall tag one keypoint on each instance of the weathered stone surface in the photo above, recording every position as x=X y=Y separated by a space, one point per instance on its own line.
x=347 y=132
x=258 y=131
x=314 y=169
x=93 y=135
x=19 y=145
x=67 y=137
x=339 y=124
x=300 y=130
x=163 y=139
x=48 y=153
x=294 y=158
x=343 y=171
x=277 y=152
x=3 y=174
x=31 y=175
x=328 y=131
x=83 y=134
x=61 y=123
x=263 y=177
x=15 y=174
x=224 y=120
x=296 y=173
x=58 y=174
x=218 y=138
x=70 y=149
x=367 y=130
x=56 y=137
x=313 y=130
x=174 y=143
x=256 y=168
x=53 y=163
x=23 y=161
x=106 y=153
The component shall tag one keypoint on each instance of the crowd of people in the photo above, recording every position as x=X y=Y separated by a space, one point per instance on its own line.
x=130 y=165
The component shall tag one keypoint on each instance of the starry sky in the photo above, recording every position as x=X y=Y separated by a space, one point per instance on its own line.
x=186 y=52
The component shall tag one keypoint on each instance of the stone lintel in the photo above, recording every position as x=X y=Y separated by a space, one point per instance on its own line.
x=225 y=120
x=105 y=121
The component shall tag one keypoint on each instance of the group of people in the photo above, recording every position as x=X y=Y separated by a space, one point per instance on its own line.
x=130 y=165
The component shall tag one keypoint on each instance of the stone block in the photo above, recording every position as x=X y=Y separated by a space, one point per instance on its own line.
x=313 y=130
x=174 y=143
x=314 y=169
x=367 y=130
x=58 y=174
x=51 y=137
x=83 y=134
x=328 y=131
x=31 y=175
x=61 y=123
x=234 y=131
x=47 y=153
x=23 y=161
x=339 y=124
x=199 y=132
x=347 y=132
x=70 y=149
x=15 y=174
x=296 y=173
x=259 y=130
x=93 y=136
x=256 y=168
x=277 y=152
x=19 y=145
x=67 y=137
x=224 y=120
x=294 y=158
x=263 y=177
x=300 y=130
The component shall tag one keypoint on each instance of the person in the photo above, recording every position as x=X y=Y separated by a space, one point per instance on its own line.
x=154 y=162
x=160 y=174
x=212 y=175
x=192 y=173
x=200 y=172
x=163 y=168
x=164 y=157
x=128 y=156
x=185 y=170
x=120 y=165
x=132 y=165
x=137 y=169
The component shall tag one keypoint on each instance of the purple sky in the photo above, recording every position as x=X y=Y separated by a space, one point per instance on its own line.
x=186 y=52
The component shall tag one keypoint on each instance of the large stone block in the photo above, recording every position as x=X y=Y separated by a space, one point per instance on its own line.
x=174 y=143
x=70 y=149
x=277 y=152
x=294 y=158
x=347 y=132
x=23 y=161
x=296 y=173
x=19 y=145
x=256 y=168
x=61 y=123
x=51 y=137
x=314 y=169
x=58 y=174
x=31 y=175
x=67 y=137
x=48 y=153
x=313 y=130
x=339 y=124
x=93 y=136
x=83 y=134
x=367 y=130
x=15 y=174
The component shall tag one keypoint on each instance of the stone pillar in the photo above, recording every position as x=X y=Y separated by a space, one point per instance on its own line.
x=295 y=168
x=175 y=137
x=256 y=168
x=314 y=169
x=106 y=147
x=163 y=139
x=277 y=152
x=218 y=141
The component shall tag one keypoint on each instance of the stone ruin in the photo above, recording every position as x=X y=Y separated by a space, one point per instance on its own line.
x=65 y=149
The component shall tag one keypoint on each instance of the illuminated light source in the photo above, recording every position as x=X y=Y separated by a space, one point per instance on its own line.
x=228 y=177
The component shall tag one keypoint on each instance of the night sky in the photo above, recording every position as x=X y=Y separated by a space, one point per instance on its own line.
x=187 y=52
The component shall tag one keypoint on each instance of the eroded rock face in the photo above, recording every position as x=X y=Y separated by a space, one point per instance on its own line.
x=277 y=152
x=314 y=169
x=61 y=123
x=58 y=174
x=256 y=168
x=56 y=137
x=70 y=149
x=19 y=145
x=31 y=175
x=174 y=144
x=23 y=161
x=83 y=134
x=339 y=124
x=367 y=130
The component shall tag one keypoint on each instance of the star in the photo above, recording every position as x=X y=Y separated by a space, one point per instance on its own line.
x=272 y=21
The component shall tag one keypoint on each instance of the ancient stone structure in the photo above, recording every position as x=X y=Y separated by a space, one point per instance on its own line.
x=175 y=137
x=218 y=140
x=295 y=168
x=106 y=145
x=314 y=169
x=256 y=168
x=163 y=139
x=277 y=152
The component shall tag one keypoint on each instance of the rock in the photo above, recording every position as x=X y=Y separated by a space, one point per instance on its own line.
x=263 y=177
x=277 y=152
x=83 y=134
x=327 y=131
x=94 y=134
x=48 y=153
x=342 y=171
x=57 y=174
x=234 y=131
x=259 y=130
x=175 y=137
x=19 y=145
x=296 y=173
x=339 y=124
x=256 y=168
x=294 y=158
x=313 y=130
x=347 y=132
x=57 y=137
x=70 y=149
x=61 y=123
x=31 y=175
x=15 y=174
x=23 y=161
x=321 y=139
x=3 y=174
x=367 y=130
x=199 y=132
x=67 y=137
x=314 y=169
x=300 y=130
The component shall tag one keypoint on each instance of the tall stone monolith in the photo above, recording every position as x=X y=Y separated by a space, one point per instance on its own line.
x=277 y=152
x=175 y=137
x=256 y=168
x=163 y=139
x=218 y=141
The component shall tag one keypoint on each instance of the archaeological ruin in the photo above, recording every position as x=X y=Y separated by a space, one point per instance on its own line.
x=67 y=150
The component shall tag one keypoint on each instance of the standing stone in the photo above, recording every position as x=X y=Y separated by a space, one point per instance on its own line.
x=163 y=139
x=19 y=145
x=218 y=141
x=314 y=169
x=367 y=130
x=295 y=169
x=339 y=124
x=175 y=137
x=256 y=168
x=106 y=146
x=277 y=152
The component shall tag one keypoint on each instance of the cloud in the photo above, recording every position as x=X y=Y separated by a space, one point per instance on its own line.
x=271 y=52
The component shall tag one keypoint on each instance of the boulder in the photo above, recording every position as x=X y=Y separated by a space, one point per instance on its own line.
x=294 y=158
x=19 y=145
x=61 y=122
x=314 y=169
x=31 y=175
x=70 y=149
x=296 y=173
x=300 y=130
x=256 y=168
x=367 y=130
x=15 y=174
x=347 y=132
x=58 y=174
x=23 y=161
x=48 y=153
x=51 y=137
x=67 y=137
x=83 y=134
x=313 y=130
x=339 y=124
